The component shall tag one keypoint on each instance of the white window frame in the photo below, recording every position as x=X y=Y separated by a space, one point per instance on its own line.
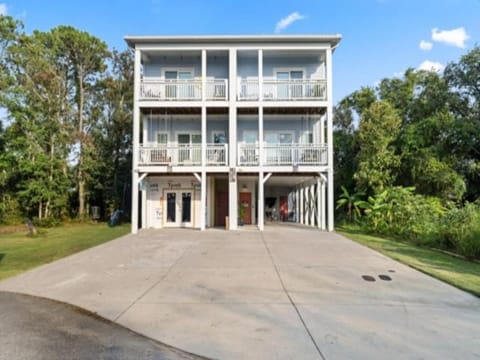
x=158 y=132
x=278 y=132
x=178 y=70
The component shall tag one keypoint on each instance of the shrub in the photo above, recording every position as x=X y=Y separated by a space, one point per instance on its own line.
x=460 y=231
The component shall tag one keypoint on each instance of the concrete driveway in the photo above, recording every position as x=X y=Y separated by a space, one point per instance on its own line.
x=286 y=293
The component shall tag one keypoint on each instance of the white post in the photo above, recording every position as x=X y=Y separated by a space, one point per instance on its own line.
x=144 y=206
x=260 y=106
x=324 y=209
x=331 y=213
x=301 y=205
x=135 y=139
x=297 y=206
x=312 y=205
x=261 y=201
x=204 y=136
x=203 y=200
x=319 y=204
x=232 y=130
x=204 y=75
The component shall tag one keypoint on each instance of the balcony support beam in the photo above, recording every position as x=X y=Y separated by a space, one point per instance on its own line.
x=261 y=200
x=135 y=139
x=203 y=200
x=330 y=205
x=204 y=75
x=204 y=136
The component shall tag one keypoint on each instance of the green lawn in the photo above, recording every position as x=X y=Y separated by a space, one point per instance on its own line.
x=456 y=271
x=19 y=252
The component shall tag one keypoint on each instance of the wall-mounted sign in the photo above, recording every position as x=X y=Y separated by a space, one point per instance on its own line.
x=158 y=213
x=153 y=187
x=173 y=185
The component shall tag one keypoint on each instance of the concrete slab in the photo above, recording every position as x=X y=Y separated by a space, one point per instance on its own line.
x=286 y=293
x=225 y=330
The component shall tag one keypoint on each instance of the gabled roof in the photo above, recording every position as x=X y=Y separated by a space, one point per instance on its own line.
x=333 y=40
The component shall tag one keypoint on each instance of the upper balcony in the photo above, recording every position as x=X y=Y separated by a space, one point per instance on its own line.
x=177 y=76
x=284 y=76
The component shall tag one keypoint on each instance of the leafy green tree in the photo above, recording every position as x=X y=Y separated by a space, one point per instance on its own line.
x=377 y=160
x=85 y=57
x=111 y=135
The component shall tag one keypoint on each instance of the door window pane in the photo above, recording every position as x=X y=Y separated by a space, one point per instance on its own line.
x=196 y=139
x=171 y=207
x=250 y=137
x=184 y=138
x=285 y=138
x=162 y=138
x=271 y=138
x=186 y=207
x=296 y=75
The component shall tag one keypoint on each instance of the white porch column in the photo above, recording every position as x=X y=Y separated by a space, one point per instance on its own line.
x=204 y=74
x=331 y=213
x=203 y=200
x=301 y=206
x=232 y=131
x=323 y=207
x=319 y=204
x=312 y=205
x=261 y=202
x=260 y=106
x=232 y=124
x=204 y=136
x=297 y=205
x=135 y=139
x=143 y=223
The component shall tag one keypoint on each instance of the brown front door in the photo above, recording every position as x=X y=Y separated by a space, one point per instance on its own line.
x=246 y=204
x=283 y=208
x=221 y=208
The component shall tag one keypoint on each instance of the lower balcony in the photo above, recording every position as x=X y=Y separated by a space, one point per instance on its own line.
x=283 y=155
x=182 y=155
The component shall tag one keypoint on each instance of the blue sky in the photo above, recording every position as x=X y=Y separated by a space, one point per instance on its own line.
x=381 y=38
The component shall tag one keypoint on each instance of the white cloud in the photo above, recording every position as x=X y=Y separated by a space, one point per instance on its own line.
x=287 y=21
x=455 y=37
x=428 y=65
x=425 y=45
x=3 y=9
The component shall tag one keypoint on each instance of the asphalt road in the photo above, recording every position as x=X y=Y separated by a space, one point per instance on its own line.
x=38 y=328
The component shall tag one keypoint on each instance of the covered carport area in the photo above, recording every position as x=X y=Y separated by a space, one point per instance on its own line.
x=293 y=198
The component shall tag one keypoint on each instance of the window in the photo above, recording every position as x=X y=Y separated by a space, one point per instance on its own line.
x=176 y=86
x=289 y=84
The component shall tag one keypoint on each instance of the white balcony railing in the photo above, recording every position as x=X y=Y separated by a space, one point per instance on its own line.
x=217 y=154
x=217 y=89
x=283 y=154
x=280 y=90
x=183 y=90
x=182 y=154
x=283 y=90
x=248 y=90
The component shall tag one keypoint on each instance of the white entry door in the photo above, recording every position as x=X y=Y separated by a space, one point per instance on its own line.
x=178 y=208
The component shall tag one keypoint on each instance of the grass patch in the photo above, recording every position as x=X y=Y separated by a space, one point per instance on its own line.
x=20 y=252
x=458 y=272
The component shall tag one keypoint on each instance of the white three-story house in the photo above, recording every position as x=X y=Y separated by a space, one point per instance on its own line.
x=232 y=130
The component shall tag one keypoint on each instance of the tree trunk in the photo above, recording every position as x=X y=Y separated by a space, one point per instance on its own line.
x=81 y=181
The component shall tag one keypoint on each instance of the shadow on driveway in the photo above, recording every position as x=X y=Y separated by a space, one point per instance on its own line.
x=38 y=328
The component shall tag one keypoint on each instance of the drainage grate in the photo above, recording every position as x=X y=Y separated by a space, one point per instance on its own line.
x=385 y=277
x=368 y=278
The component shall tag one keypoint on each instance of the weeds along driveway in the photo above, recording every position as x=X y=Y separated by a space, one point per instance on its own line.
x=286 y=293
